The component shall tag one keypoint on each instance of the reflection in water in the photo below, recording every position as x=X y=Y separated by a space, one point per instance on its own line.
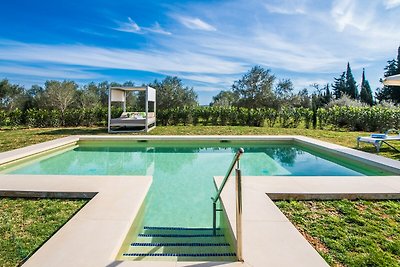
x=285 y=155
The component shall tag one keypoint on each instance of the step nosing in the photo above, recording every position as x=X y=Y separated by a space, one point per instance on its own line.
x=229 y=254
x=139 y=244
x=179 y=228
x=177 y=235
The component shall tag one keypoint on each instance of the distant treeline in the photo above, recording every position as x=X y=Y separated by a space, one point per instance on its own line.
x=256 y=98
x=362 y=118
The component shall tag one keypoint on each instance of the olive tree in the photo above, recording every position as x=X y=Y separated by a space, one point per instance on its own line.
x=60 y=95
x=171 y=93
x=255 y=88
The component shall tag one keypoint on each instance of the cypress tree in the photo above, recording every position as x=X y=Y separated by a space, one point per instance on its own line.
x=391 y=68
x=366 y=92
x=327 y=96
x=351 y=86
x=398 y=60
x=339 y=86
x=386 y=92
x=390 y=92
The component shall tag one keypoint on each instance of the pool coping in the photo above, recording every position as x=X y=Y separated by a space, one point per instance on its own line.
x=73 y=243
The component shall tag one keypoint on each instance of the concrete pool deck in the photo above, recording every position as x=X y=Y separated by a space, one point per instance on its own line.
x=94 y=235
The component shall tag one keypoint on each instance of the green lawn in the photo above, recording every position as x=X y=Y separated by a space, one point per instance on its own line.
x=26 y=223
x=360 y=233
x=349 y=233
x=16 y=138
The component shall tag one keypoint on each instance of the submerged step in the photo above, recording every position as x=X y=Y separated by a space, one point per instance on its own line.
x=229 y=254
x=202 y=239
x=179 y=235
x=181 y=244
x=157 y=231
x=201 y=249
x=179 y=228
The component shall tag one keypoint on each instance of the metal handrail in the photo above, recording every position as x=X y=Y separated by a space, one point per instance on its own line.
x=238 y=183
x=235 y=159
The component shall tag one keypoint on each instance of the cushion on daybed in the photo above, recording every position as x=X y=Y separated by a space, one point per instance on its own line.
x=136 y=115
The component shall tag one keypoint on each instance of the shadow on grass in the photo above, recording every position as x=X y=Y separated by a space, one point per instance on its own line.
x=75 y=131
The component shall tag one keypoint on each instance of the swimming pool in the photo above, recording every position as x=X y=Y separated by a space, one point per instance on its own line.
x=183 y=171
x=179 y=198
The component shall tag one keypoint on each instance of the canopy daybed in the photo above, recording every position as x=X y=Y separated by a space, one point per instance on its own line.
x=392 y=80
x=132 y=121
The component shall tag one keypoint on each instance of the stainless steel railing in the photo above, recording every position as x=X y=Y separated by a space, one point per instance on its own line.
x=238 y=183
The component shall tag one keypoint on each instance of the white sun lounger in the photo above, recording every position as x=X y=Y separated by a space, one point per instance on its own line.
x=378 y=139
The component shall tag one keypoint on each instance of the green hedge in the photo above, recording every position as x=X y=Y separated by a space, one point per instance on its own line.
x=288 y=117
x=361 y=118
x=353 y=118
x=53 y=118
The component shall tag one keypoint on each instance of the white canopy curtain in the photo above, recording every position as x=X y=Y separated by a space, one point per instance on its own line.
x=392 y=80
x=135 y=119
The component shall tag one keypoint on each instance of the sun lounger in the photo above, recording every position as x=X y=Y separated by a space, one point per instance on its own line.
x=378 y=139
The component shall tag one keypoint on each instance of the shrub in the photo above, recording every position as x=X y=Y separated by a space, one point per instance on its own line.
x=185 y=115
x=214 y=115
x=290 y=117
x=196 y=115
x=72 y=117
x=15 y=117
x=307 y=115
x=163 y=117
x=205 y=114
x=321 y=115
x=363 y=118
x=4 y=119
x=346 y=101
x=271 y=115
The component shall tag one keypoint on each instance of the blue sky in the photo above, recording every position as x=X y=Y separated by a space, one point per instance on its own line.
x=208 y=44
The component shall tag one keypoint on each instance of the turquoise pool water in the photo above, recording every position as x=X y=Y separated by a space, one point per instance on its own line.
x=183 y=172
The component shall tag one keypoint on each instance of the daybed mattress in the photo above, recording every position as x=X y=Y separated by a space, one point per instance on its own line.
x=131 y=122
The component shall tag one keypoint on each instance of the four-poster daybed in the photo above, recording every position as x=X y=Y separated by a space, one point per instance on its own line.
x=133 y=120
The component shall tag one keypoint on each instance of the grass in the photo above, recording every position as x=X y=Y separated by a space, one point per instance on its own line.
x=361 y=233
x=26 y=224
x=349 y=233
x=16 y=138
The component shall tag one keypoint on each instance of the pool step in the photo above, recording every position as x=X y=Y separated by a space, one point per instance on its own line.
x=180 y=243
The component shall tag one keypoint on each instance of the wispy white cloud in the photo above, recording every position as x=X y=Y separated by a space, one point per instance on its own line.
x=361 y=27
x=129 y=26
x=132 y=27
x=389 y=4
x=286 y=7
x=156 y=28
x=307 y=82
x=50 y=72
x=218 y=81
x=312 y=47
x=343 y=13
x=269 y=50
x=195 y=23
x=357 y=14
x=91 y=56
